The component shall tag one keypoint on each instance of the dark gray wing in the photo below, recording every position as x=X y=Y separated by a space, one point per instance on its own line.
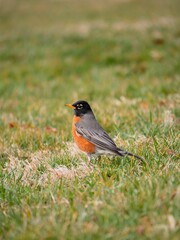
x=94 y=133
x=90 y=129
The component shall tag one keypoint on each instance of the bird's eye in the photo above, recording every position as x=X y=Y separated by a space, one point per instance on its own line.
x=79 y=106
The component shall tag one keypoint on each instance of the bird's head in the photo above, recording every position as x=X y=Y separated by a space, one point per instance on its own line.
x=80 y=107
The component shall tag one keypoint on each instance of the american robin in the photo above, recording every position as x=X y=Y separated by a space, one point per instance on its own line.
x=89 y=136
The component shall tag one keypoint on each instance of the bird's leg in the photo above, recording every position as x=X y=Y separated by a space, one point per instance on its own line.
x=93 y=156
x=89 y=158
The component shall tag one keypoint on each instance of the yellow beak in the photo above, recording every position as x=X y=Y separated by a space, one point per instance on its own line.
x=70 y=106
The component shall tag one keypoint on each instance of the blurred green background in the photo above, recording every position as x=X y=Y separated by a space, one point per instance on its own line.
x=54 y=52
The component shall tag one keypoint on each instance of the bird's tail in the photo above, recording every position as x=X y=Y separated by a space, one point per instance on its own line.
x=123 y=153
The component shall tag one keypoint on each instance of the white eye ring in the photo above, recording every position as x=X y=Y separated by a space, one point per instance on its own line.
x=80 y=106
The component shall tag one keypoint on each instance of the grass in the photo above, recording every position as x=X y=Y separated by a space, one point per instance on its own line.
x=121 y=56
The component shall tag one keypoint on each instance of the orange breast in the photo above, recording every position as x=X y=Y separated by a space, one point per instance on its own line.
x=81 y=142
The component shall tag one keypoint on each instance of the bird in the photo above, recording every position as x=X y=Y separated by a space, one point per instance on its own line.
x=90 y=136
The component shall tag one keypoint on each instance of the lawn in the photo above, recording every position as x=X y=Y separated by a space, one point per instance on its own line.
x=123 y=57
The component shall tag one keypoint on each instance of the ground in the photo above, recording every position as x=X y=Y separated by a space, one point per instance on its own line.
x=122 y=56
